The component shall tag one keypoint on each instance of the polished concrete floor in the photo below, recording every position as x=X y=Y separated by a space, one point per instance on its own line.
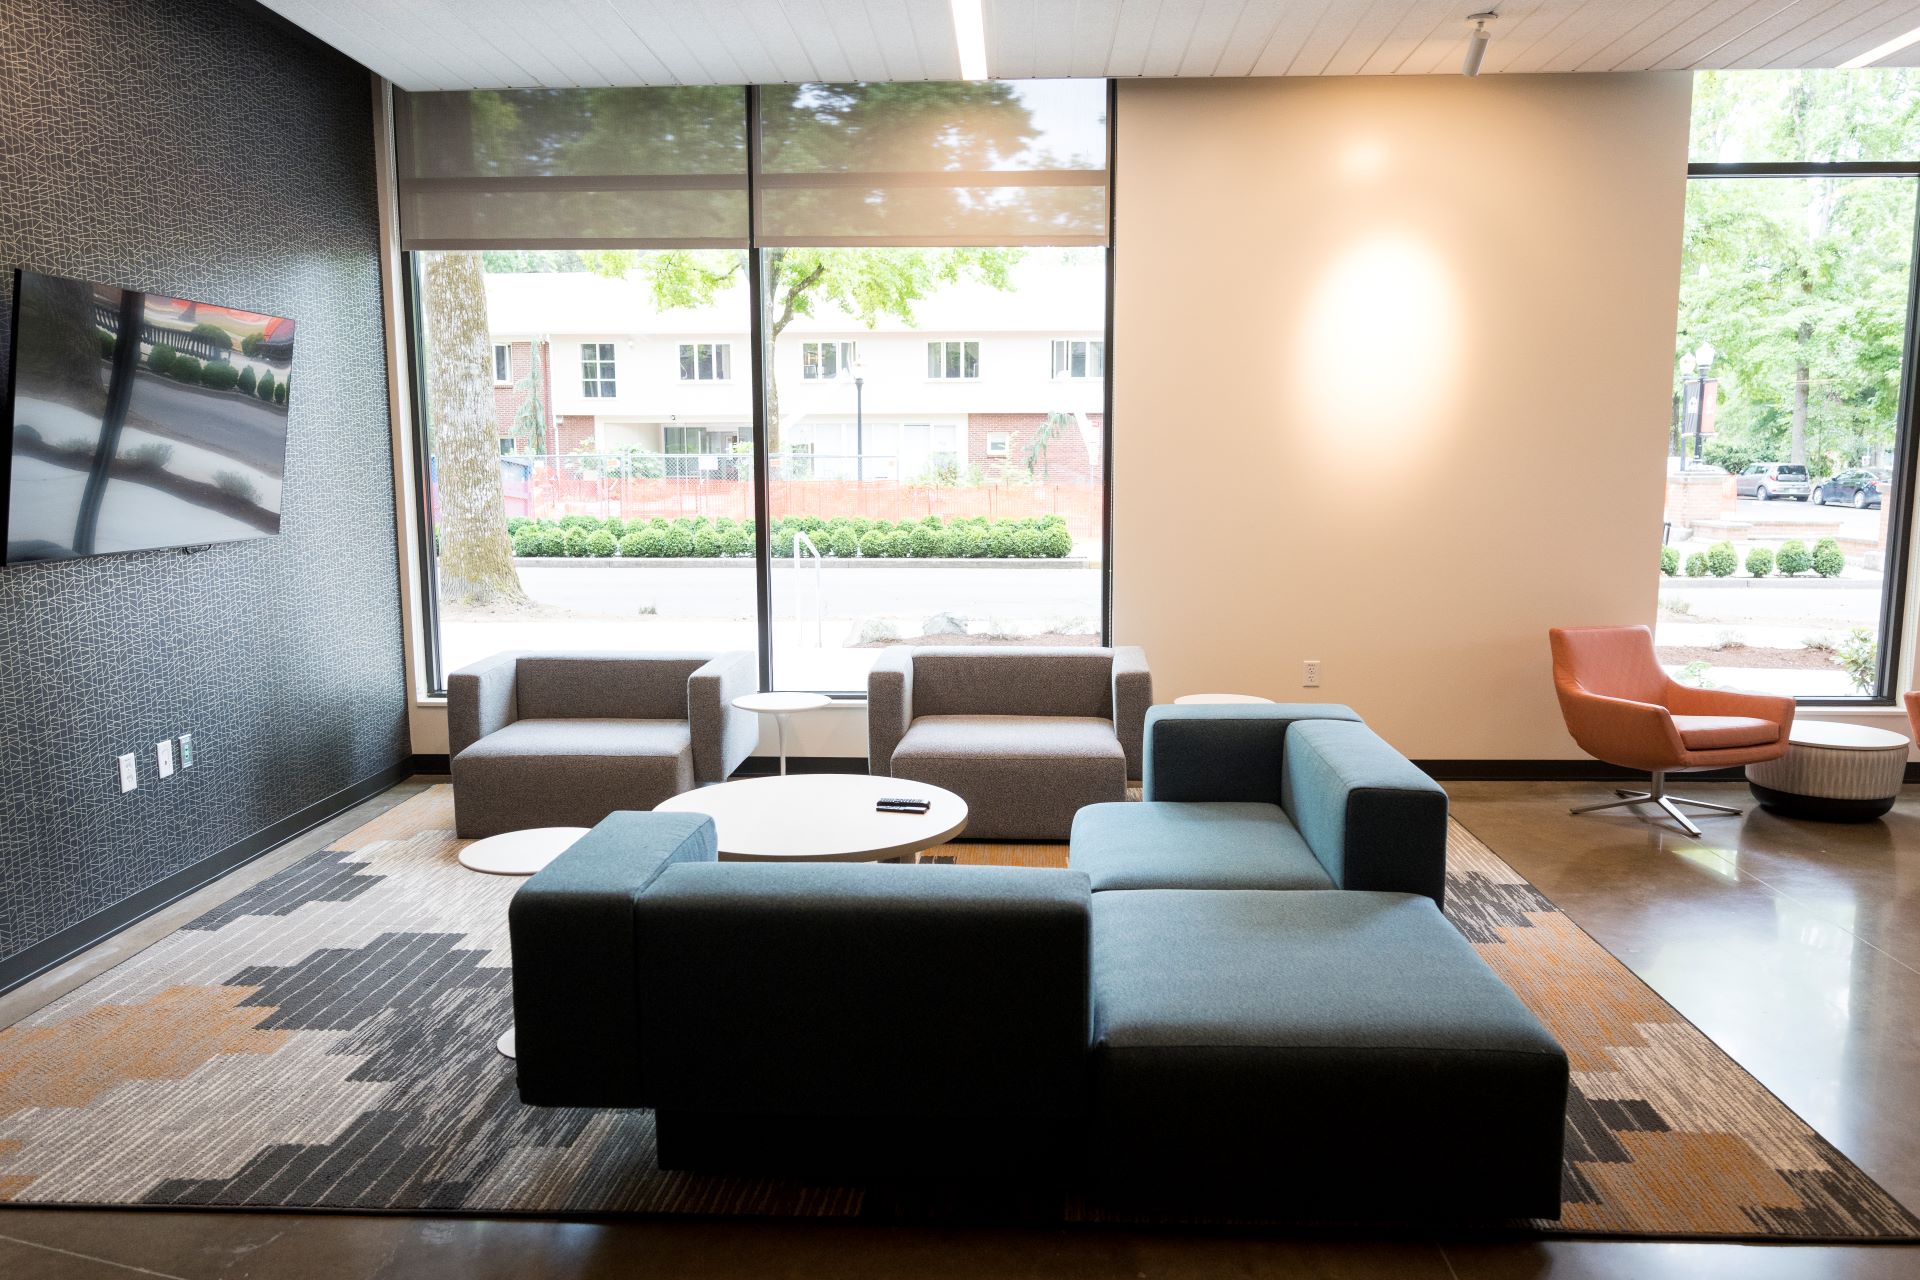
x=1795 y=946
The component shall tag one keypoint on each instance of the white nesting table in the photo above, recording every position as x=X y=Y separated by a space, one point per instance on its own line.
x=780 y=706
x=518 y=853
x=1832 y=772
x=821 y=817
x=1199 y=699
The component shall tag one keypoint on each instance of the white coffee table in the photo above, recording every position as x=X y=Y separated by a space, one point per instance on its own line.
x=1198 y=699
x=518 y=853
x=1832 y=772
x=821 y=817
x=780 y=706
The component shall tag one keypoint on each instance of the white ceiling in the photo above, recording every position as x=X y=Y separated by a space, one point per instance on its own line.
x=468 y=44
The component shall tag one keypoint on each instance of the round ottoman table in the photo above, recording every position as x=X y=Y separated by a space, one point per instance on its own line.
x=1832 y=772
x=1222 y=699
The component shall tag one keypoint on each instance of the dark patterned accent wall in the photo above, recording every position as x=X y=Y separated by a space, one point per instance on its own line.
x=204 y=149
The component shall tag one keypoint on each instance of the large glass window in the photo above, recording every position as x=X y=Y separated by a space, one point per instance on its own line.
x=1786 y=493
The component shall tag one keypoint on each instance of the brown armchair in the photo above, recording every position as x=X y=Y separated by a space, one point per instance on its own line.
x=1621 y=707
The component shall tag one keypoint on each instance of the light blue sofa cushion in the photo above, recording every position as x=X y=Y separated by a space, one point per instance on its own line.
x=1193 y=845
x=1373 y=819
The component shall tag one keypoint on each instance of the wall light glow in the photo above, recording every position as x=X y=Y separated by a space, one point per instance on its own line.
x=970 y=33
x=1379 y=356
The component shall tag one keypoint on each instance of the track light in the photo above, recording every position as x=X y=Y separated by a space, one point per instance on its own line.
x=1477 y=42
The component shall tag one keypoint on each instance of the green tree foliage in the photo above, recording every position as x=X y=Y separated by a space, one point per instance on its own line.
x=214 y=335
x=1800 y=284
x=248 y=380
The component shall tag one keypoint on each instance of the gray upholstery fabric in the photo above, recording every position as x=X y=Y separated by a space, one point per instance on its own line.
x=606 y=686
x=960 y=681
x=1023 y=777
x=1350 y=1049
x=864 y=990
x=889 y=707
x=480 y=700
x=1132 y=696
x=568 y=773
x=576 y=1008
x=1192 y=845
x=1223 y=751
x=1373 y=819
x=723 y=735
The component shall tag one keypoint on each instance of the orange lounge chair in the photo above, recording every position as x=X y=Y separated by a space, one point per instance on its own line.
x=1621 y=707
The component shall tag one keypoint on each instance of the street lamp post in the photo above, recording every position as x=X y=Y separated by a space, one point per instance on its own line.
x=1695 y=368
x=1703 y=367
x=859 y=422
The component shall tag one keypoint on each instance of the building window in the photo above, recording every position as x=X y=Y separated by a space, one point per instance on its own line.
x=508 y=446
x=706 y=361
x=821 y=360
x=502 y=365
x=953 y=360
x=999 y=444
x=1077 y=358
x=596 y=370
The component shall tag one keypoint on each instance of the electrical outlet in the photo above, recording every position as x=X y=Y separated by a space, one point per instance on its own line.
x=1310 y=674
x=186 y=751
x=129 y=772
x=163 y=756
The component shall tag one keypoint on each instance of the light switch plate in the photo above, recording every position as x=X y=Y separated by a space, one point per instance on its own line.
x=163 y=756
x=186 y=751
x=129 y=772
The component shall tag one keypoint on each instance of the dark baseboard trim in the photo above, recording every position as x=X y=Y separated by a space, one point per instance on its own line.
x=48 y=953
x=429 y=764
x=1576 y=771
x=766 y=766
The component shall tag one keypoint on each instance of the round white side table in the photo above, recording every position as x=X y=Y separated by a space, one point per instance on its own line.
x=1832 y=772
x=1197 y=699
x=780 y=706
x=822 y=817
x=518 y=853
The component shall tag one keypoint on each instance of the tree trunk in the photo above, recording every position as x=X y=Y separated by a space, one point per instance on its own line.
x=476 y=556
x=1802 y=376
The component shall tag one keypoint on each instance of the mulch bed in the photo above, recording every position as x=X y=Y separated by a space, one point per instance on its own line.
x=1751 y=656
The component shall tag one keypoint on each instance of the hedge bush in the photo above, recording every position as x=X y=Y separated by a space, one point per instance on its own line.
x=1722 y=560
x=264 y=387
x=1759 y=562
x=1828 y=560
x=843 y=537
x=1793 y=558
x=184 y=368
x=161 y=358
x=219 y=377
x=601 y=543
x=249 y=380
x=1697 y=565
x=1669 y=560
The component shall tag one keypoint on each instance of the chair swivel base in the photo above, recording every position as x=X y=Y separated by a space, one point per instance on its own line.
x=1657 y=795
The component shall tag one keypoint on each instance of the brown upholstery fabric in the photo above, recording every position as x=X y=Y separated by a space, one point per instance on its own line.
x=568 y=772
x=1132 y=697
x=480 y=700
x=1000 y=681
x=1023 y=777
x=618 y=686
x=723 y=736
x=889 y=706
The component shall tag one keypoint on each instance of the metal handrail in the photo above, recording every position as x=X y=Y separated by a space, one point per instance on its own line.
x=819 y=595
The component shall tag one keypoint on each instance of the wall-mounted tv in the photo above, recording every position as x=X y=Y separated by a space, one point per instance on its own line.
x=140 y=421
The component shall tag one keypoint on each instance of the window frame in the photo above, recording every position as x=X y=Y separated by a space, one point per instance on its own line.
x=1064 y=372
x=603 y=382
x=718 y=353
x=502 y=349
x=1898 y=563
x=844 y=355
x=963 y=344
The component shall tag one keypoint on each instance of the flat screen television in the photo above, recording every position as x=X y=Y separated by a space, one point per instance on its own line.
x=140 y=421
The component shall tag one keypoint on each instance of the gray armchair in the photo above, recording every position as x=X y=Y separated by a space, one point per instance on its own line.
x=564 y=739
x=1026 y=736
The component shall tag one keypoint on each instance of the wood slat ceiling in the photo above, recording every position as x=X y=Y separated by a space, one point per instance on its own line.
x=468 y=44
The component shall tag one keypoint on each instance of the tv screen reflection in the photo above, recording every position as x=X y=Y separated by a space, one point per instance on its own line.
x=142 y=421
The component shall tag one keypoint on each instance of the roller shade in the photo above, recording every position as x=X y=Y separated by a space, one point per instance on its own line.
x=933 y=163
x=640 y=168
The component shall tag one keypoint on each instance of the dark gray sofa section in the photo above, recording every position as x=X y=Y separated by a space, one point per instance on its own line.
x=1345 y=1052
x=1235 y=795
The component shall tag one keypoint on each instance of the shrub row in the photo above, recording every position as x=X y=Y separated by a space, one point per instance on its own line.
x=216 y=375
x=1720 y=560
x=968 y=537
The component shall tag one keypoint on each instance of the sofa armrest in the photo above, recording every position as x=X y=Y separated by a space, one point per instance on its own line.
x=1223 y=751
x=1621 y=731
x=576 y=1009
x=1370 y=816
x=1685 y=700
x=1132 y=696
x=803 y=990
x=723 y=735
x=480 y=700
x=889 y=707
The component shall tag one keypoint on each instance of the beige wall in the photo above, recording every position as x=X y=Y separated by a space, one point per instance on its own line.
x=1391 y=364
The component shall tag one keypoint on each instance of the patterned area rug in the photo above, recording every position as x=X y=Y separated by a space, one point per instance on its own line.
x=325 y=1040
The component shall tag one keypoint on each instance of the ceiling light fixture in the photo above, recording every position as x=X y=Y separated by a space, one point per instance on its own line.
x=970 y=33
x=1477 y=42
x=1886 y=50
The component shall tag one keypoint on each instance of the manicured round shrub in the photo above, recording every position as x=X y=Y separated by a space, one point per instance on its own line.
x=706 y=544
x=676 y=541
x=860 y=524
x=576 y=541
x=1055 y=542
x=874 y=543
x=1828 y=560
x=1000 y=539
x=545 y=542
x=735 y=540
x=601 y=543
x=615 y=526
x=1793 y=558
x=1697 y=565
x=249 y=380
x=930 y=541
x=1759 y=562
x=107 y=344
x=1669 y=560
x=1722 y=560
x=579 y=522
x=264 y=388
x=219 y=377
x=280 y=393
x=967 y=541
x=516 y=523
x=161 y=357
x=184 y=369
x=525 y=542
x=633 y=543
x=660 y=522
x=213 y=335
x=1026 y=543
x=843 y=542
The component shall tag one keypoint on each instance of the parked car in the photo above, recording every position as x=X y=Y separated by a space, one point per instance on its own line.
x=1862 y=486
x=1767 y=480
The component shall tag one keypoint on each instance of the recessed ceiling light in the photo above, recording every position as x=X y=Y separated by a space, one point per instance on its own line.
x=970 y=33
x=1866 y=59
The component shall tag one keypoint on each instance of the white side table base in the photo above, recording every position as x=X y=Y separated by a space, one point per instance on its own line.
x=505 y=1044
x=518 y=853
x=780 y=706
